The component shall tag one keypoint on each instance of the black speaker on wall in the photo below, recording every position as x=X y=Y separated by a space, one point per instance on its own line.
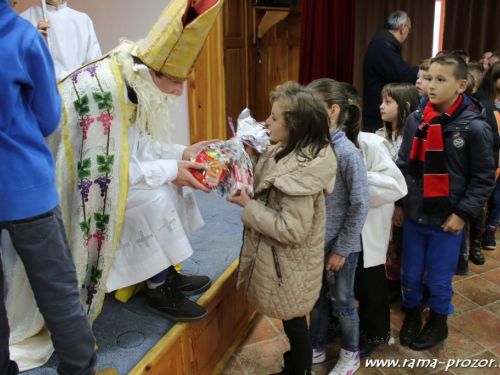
x=274 y=3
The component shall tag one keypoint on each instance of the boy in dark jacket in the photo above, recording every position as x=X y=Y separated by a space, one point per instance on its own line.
x=447 y=159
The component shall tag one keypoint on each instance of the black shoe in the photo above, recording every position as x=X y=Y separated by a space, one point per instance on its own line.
x=463 y=265
x=286 y=364
x=489 y=242
x=411 y=326
x=434 y=331
x=366 y=348
x=169 y=303
x=475 y=253
x=187 y=285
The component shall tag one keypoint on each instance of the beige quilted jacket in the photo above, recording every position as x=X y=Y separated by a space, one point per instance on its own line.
x=281 y=261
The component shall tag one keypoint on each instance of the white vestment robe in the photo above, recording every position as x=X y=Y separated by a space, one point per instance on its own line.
x=72 y=36
x=159 y=216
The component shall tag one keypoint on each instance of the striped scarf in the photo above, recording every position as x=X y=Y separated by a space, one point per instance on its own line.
x=428 y=157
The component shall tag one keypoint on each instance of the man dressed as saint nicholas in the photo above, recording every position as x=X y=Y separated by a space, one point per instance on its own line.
x=125 y=189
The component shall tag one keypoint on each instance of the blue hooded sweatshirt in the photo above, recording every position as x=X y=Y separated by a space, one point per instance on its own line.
x=30 y=109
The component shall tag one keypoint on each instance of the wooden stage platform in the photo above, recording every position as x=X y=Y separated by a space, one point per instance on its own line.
x=203 y=347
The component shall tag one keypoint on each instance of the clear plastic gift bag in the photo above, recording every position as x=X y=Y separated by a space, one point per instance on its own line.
x=229 y=168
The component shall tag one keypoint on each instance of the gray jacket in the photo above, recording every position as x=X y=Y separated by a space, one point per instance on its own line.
x=347 y=206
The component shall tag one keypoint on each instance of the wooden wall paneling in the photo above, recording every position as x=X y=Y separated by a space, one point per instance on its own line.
x=275 y=71
x=279 y=55
x=235 y=59
x=291 y=47
x=206 y=89
x=251 y=59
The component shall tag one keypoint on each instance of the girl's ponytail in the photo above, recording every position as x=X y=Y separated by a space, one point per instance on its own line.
x=353 y=123
x=335 y=93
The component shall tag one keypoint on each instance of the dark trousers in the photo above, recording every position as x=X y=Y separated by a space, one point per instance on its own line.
x=494 y=206
x=474 y=229
x=42 y=246
x=300 y=354
x=370 y=289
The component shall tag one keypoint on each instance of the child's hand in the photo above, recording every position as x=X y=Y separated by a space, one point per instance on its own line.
x=334 y=261
x=249 y=150
x=453 y=224
x=398 y=219
x=42 y=27
x=240 y=200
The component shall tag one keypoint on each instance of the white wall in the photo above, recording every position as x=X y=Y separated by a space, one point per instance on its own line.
x=131 y=19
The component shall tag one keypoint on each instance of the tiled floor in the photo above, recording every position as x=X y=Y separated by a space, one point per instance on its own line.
x=474 y=333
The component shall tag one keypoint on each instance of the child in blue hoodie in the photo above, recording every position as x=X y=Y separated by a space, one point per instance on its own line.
x=30 y=110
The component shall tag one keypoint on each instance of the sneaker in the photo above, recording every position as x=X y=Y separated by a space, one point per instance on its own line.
x=347 y=364
x=166 y=301
x=489 y=242
x=319 y=355
x=187 y=285
x=463 y=265
x=107 y=371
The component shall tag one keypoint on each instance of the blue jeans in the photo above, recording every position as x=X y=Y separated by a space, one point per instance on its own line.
x=494 y=206
x=159 y=277
x=339 y=300
x=41 y=244
x=426 y=248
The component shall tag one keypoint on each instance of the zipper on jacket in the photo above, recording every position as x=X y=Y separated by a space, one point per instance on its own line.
x=253 y=266
x=256 y=251
x=277 y=265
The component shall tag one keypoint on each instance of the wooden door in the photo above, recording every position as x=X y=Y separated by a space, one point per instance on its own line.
x=206 y=93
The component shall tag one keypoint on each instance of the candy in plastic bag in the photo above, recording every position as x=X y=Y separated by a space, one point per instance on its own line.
x=228 y=166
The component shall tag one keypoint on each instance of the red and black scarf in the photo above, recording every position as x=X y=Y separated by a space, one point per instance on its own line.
x=428 y=157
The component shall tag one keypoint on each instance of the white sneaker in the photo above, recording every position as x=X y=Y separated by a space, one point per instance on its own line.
x=319 y=355
x=347 y=364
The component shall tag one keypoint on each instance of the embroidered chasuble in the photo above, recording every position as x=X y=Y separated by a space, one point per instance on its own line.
x=91 y=155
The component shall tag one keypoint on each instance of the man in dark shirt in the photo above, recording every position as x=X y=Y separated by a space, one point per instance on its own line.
x=383 y=64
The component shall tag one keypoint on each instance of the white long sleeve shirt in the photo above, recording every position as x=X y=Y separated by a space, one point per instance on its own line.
x=72 y=36
x=387 y=185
